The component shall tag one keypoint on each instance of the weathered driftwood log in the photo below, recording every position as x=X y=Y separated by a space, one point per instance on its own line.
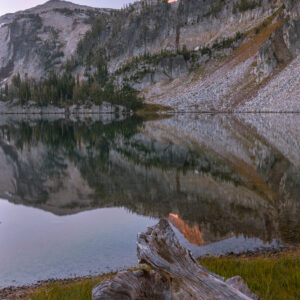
x=175 y=275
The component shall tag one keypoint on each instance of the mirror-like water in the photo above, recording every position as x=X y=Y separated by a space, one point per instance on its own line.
x=78 y=191
x=39 y=245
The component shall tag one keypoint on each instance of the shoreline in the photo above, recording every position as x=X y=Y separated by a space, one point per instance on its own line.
x=106 y=108
x=23 y=292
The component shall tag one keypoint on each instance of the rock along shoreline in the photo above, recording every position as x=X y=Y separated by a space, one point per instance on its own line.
x=32 y=108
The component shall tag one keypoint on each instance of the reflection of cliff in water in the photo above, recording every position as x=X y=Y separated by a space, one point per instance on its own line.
x=192 y=234
x=220 y=175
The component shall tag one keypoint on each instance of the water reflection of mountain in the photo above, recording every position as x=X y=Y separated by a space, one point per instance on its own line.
x=223 y=174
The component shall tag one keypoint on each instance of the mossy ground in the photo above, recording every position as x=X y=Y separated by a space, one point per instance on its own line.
x=269 y=276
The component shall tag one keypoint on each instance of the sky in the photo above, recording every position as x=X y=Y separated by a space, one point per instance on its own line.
x=10 y=6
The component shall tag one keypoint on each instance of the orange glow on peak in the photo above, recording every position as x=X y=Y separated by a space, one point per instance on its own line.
x=192 y=234
x=174 y=216
x=170 y=1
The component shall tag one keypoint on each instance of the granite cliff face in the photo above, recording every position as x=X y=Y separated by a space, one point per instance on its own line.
x=189 y=55
x=278 y=63
x=258 y=75
x=41 y=39
x=44 y=37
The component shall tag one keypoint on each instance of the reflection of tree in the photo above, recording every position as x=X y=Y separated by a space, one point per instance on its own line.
x=58 y=141
x=124 y=167
x=68 y=135
x=289 y=224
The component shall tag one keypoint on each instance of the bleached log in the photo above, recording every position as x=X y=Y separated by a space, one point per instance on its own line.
x=176 y=274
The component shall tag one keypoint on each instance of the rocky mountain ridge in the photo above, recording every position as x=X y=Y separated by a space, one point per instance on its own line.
x=258 y=76
x=41 y=39
x=189 y=55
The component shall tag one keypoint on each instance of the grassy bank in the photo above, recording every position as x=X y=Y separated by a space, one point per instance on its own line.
x=271 y=276
x=268 y=276
x=82 y=289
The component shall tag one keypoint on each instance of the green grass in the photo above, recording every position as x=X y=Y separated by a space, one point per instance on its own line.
x=78 y=290
x=276 y=277
x=270 y=277
x=73 y=291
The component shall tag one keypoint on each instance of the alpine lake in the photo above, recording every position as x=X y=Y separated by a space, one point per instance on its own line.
x=75 y=192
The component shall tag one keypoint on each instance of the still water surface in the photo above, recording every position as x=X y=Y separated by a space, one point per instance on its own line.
x=78 y=191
